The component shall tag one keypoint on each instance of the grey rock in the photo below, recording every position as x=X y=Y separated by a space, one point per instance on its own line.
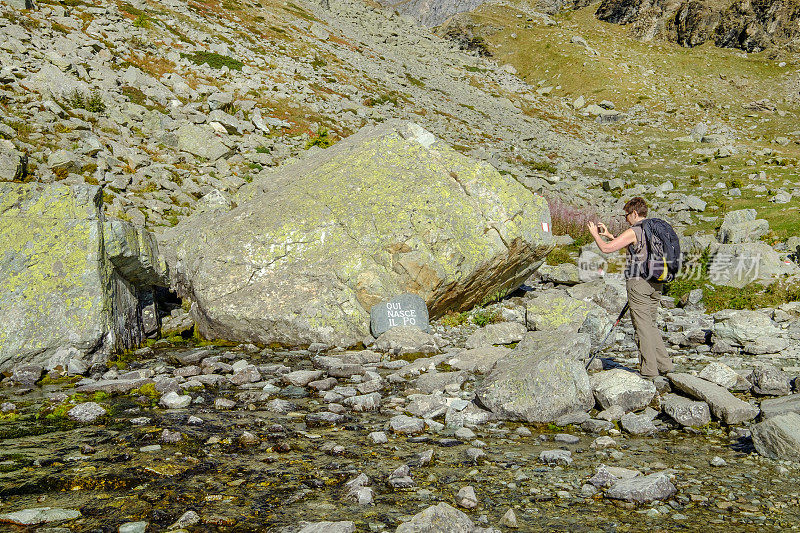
x=282 y=241
x=542 y=379
x=721 y=374
x=780 y=406
x=365 y=402
x=642 y=489
x=403 y=310
x=441 y=518
x=89 y=304
x=406 y=425
x=406 y=339
x=562 y=274
x=173 y=400
x=768 y=380
x=741 y=328
x=623 y=388
x=742 y=226
x=724 y=405
x=202 y=141
x=471 y=416
x=322 y=419
x=134 y=527
x=401 y=478
x=301 y=378
x=502 y=333
x=39 y=515
x=431 y=382
x=466 y=498
x=86 y=413
x=685 y=411
x=13 y=163
x=478 y=360
x=736 y=265
x=778 y=437
x=556 y=457
x=638 y=424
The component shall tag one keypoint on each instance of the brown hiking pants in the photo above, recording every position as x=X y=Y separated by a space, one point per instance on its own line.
x=644 y=299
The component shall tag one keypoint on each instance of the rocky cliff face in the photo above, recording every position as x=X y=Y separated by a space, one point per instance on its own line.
x=750 y=26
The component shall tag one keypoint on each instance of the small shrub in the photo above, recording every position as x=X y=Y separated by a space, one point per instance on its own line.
x=542 y=166
x=414 y=81
x=93 y=102
x=484 y=317
x=734 y=183
x=213 y=60
x=383 y=98
x=141 y=21
x=322 y=139
x=262 y=150
x=453 y=319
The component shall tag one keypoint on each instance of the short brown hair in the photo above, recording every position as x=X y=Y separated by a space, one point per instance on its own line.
x=636 y=204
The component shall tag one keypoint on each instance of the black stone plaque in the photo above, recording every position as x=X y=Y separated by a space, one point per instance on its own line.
x=403 y=310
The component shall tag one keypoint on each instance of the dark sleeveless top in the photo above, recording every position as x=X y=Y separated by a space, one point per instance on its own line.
x=637 y=253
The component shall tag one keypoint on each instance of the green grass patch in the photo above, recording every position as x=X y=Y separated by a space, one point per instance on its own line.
x=558 y=256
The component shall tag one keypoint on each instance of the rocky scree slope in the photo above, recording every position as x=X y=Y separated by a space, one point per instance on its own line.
x=162 y=103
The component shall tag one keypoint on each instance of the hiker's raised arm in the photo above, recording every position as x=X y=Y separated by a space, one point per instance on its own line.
x=625 y=238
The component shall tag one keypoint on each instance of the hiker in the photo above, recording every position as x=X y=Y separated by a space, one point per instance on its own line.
x=643 y=295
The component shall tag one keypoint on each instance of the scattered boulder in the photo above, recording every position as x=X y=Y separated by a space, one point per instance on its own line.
x=685 y=411
x=406 y=339
x=770 y=381
x=314 y=282
x=542 y=379
x=737 y=265
x=780 y=406
x=778 y=437
x=39 y=515
x=441 y=518
x=742 y=226
x=502 y=333
x=86 y=413
x=478 y=360
x=329 y=527
x=642 y=489
x=622 y=388
x=13 y=163
x=721 y=374
x=723 y=404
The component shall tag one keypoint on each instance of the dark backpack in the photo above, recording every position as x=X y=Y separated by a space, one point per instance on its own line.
x=663 y=251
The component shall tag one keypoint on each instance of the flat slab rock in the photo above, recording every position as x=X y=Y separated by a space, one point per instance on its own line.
x=39 y=515
x=642 y=489
x=723 y=404
x=684 y=411
x=113 y=385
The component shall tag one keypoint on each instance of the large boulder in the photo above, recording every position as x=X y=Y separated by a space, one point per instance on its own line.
x=389 y=210
x=753 y=331
x=542 y=379
x=61 y=292
x=778 y=437
x=742 y=226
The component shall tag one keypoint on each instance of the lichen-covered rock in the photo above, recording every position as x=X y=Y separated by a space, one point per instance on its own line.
x=542 y=379
x=59 y=289
x=13 y=163
x=555 y=310
x=392 y=211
